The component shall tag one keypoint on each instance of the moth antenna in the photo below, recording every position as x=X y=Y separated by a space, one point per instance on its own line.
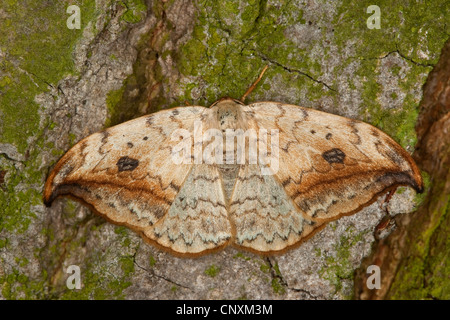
x=253 y=86
x=386 y=200
x=386 y=224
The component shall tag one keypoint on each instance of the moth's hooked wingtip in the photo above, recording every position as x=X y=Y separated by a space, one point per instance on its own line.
x=419 y=188
x=48 y=199
x=51 y=196
x=49 y=192
x=417 y=184
x=47 y=202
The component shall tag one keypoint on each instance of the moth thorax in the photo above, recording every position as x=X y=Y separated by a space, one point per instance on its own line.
x=231 y=123
x=229 y=116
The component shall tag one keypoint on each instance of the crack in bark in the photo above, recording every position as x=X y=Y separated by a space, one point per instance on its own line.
x=414 y=62
x=39 y=78
x=313 y=297
x=152 y=273
x=28 y=73
x=276 y=274
x=292 y=70
x=402 y=56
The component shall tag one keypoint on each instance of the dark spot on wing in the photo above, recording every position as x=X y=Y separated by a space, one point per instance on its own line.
x=334 y=155
x=312 y=131
x=328 y=136
x=105 y=135
x=145 y=138
x=158 y=212
x=175 y=187
x=175 y=112
x=130 y=145
x=127 y=164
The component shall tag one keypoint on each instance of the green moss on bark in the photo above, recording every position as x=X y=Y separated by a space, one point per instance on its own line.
x=135 y=10
x=99 y=283
x=412 y=32
x=36 y=52
x=17 y=285
x=277 y=287
x=231 y=45
x=212 y=271
x=424 y=272
x=339 y=267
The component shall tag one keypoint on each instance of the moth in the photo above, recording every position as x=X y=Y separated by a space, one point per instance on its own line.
x=192 y=180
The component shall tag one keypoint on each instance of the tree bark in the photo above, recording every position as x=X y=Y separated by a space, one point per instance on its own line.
x=415 y=259
x=133 y=57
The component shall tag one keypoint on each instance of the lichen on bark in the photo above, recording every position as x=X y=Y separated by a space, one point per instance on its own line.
x=415 y=259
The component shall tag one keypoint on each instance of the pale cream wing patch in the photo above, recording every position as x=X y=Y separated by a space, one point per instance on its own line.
x=329 y=165
x=198 y=218
x=126 y=172
x=264 y=216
